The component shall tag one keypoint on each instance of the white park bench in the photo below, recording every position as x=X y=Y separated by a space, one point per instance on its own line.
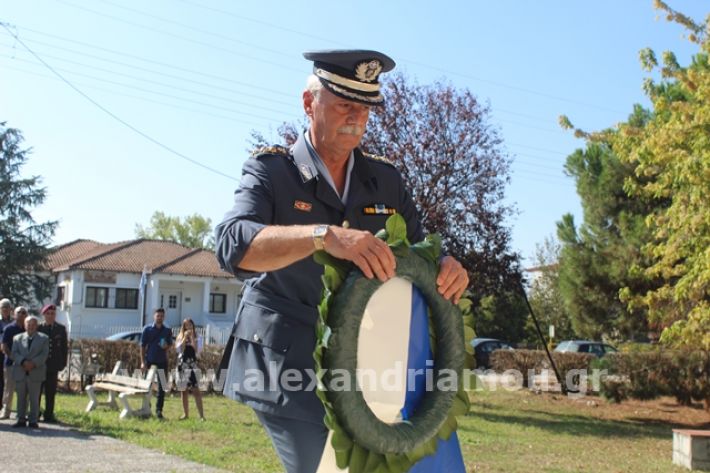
x=122 y=386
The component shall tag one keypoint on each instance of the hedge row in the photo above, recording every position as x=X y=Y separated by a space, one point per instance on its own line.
x=683 y=374
x=531 y=362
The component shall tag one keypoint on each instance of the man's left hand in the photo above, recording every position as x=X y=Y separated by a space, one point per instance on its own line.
x=452 y=280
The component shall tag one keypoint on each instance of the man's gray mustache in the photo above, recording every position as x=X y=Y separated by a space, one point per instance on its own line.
x=351 y=130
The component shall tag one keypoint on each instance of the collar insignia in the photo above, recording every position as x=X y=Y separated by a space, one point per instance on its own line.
x=305 y=171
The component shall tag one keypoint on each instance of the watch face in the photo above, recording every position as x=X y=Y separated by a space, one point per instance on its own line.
x=319 y=236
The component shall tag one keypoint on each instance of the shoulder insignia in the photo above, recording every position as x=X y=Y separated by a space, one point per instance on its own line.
x=275 y=149
x=377 y=158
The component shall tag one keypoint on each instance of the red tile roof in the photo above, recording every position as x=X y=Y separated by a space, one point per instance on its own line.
x=65 y=254
x=132 y=256
x=196 y=262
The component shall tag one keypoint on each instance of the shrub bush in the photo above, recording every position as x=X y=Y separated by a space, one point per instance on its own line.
x=527 y=362
x=644 y=375
x=567 y=362
x=686 y=373
x=109 y=352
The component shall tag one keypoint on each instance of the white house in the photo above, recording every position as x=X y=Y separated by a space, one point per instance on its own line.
x=99 y=291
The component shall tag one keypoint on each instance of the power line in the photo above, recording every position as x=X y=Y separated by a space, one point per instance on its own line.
x=517 y=173
x=171 y=76
x=161 y=84
x=136 y=97
x=409 y=61
x=496 y=110
x=265 y=23
x=155 y=62
x=546 y=130
x=112 y=115
x=536 y=163
x=180 y=37
x=192 y=28
x=546 y=150
x=516 y=163
x=512 y=87
x=152 y=71
x=141 y=89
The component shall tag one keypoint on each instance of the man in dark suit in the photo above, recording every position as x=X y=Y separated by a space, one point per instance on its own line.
x=29 y=354
x=57 y=360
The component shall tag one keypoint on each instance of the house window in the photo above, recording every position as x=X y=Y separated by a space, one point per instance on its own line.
x=126 y=298
x=218 y=303
x=172 y=302
x=97 y=297
x=60 y=295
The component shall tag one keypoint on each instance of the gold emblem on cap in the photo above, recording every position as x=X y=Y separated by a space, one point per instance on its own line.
x=368 y=71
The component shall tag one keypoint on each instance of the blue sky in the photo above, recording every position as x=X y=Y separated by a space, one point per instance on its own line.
x=199 y=75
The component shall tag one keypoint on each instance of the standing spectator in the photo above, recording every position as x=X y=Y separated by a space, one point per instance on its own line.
x=29 y=353
x=155 y=341
x=16 y=327
x=188 y=346
x=5 y=319
x=57 y=360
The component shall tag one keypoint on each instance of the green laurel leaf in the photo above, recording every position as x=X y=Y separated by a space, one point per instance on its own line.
x=396 y=229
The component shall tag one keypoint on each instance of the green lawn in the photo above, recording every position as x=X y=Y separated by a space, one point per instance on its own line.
x=505 y=432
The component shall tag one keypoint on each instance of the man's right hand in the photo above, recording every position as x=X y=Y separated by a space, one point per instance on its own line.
x=142 y=366
x=372 y=255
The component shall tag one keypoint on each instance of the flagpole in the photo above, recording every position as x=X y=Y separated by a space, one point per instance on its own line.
x=143 y=289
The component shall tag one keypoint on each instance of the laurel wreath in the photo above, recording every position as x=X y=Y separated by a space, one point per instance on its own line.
x=362 y=443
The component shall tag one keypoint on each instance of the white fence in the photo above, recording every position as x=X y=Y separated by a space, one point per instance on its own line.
x=211 y=334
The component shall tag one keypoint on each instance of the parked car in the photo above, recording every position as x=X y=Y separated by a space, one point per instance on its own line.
x=126 y=336
x=484 y=347
x=598 y=349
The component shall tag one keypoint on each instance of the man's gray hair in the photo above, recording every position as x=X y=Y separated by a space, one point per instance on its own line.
x=30 y=318
x=5 y=303
x=314 y=85
x=21 y=308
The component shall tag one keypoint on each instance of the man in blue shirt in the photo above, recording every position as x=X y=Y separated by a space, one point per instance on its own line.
x=155 y=341
x=15 y=328
x=5 y=320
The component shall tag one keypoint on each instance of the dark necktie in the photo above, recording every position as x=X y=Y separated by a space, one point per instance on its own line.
x=29 y=343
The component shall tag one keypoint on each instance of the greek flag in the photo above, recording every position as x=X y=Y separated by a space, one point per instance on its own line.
x=398 y=308
x=143 y=283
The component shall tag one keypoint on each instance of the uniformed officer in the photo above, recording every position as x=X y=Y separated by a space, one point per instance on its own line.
x=56 y=361
x=323 y=193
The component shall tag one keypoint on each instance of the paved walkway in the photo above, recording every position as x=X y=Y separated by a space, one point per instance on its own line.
x=58 y=448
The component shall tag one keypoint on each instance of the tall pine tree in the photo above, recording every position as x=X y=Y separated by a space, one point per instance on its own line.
x=644 y=242
x=597 y=256
x=23 y=242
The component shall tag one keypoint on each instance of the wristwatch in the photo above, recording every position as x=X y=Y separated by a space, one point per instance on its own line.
x=319 y=233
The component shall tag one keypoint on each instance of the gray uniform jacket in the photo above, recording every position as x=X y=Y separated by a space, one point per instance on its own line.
x=274 y=329
x=37 y=354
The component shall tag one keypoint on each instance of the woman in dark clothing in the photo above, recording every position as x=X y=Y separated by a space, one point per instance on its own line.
x=189 y=346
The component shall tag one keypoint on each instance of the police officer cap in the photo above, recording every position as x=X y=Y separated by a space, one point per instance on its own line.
x=351 y=73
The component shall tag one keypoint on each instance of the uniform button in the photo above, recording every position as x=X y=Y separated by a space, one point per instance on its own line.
x=346 y=224
x=256 y=338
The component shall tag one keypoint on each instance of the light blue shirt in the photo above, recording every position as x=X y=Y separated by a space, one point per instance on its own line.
x=323 y=169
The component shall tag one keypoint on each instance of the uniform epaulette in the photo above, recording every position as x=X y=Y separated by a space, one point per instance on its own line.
x=377 y=158
x=275 y=149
